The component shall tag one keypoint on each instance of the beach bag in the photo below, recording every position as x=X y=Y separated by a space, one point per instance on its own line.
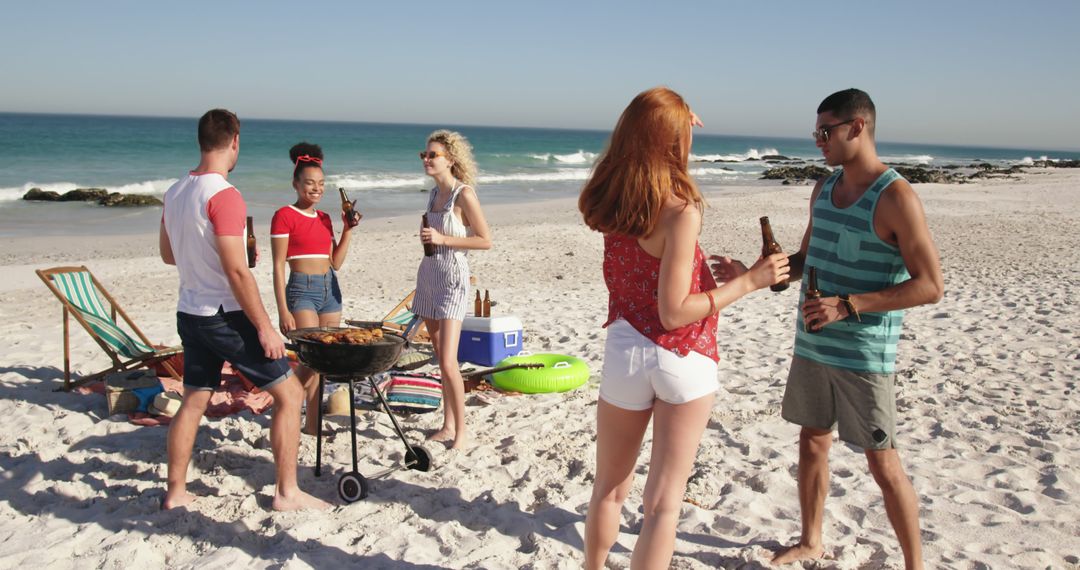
x=408 y=393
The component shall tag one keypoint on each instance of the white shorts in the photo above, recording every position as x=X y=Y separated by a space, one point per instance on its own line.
x=637 y=371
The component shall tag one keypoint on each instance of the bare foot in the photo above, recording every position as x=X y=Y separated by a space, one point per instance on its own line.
x=174 y=500
x=461 y=442
x=445 y=434
x=299 y=501
x=798 y=552
x=310 y=430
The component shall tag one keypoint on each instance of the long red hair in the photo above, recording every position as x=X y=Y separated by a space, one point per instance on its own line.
x=644 y=163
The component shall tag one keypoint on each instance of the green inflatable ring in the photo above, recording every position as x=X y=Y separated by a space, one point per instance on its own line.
x=559 y=374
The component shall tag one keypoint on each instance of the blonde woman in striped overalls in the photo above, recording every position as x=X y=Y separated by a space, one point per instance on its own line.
x=456 y=225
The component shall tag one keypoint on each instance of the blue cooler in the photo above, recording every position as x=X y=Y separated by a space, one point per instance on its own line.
x=486 y=341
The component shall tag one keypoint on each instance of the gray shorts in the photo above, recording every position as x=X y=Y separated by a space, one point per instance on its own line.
x=861 y=404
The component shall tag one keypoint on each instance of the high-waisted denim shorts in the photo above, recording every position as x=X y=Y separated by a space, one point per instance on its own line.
x=319 y=293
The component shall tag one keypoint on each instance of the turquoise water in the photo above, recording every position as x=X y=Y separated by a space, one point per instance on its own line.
x=375 y=163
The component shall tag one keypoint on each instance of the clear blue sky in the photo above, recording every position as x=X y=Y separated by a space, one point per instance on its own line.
x=963 y=72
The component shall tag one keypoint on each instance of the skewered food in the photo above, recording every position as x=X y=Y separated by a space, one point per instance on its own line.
x=347 y=336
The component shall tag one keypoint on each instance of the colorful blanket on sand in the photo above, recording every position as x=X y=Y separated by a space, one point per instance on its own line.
x=234 y=395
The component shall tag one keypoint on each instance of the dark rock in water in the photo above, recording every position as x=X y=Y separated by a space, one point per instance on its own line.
x=997 y=172
x=83 y=195
x=118 y=199
x=795 y=173
x=1057 y=163
x=922 y=175
x=951 y=166
x=752 y=158
x=775 y=157
x=41 y=195
x=984 y=166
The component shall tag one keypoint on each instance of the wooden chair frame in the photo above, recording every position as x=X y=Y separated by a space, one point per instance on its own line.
x=120 y=363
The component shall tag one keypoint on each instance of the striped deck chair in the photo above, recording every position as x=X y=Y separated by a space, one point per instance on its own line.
x=401 y=318
x=80 y=293
x=401 y=321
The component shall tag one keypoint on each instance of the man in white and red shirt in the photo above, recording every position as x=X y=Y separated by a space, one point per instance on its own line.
x=220 y=316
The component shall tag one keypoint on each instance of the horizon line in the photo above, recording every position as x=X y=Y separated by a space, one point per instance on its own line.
x=527 y=127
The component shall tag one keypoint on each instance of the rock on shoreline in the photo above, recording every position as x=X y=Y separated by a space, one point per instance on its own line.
x=100 y=195
x=917 y=174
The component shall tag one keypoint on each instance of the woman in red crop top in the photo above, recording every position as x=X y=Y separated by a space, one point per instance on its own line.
x=303 y=237
x=660 y=355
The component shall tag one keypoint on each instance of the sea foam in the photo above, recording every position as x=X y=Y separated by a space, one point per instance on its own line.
x=749 y=154
x=579 y=157
x=908 y=158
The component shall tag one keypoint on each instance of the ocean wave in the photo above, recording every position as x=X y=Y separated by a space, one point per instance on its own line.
x=579 y=157
x=154 y=187
x=707 y=171
x=390 y=181
x=749 y=154
x=916 y=158
x=376 y=181
x=563 y=174
x=1028 y=160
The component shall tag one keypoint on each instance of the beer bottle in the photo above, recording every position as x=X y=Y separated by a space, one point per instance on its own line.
x=487 y=303
x=812 y=292
x=769 y=246
x=478 y=308
x=352 y=217
x=429 y=248
x=250 y=242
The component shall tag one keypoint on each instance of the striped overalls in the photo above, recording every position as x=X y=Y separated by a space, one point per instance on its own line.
x=442 y=282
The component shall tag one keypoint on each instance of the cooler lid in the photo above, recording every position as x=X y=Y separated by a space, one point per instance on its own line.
x=491 y=324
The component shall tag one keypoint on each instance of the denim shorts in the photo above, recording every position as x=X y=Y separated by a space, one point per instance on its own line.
x=318 y=293
x=211 y=341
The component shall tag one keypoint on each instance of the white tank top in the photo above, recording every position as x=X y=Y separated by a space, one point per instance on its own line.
x=203 y=285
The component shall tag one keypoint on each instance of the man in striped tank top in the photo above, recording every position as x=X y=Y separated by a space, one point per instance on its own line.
x=874 y=257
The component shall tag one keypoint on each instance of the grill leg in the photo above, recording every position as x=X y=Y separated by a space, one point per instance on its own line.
x=352 y=422
x=386 y=407
x=318 y=438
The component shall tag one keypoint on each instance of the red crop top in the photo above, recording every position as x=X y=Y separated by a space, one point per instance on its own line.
x=632 y=277
x=309 y=235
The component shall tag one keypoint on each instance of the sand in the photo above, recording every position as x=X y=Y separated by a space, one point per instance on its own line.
x=988 y=411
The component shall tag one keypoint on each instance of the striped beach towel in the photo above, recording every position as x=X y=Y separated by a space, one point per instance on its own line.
x=405 y=392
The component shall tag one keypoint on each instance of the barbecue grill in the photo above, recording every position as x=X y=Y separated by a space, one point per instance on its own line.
x=348 y=364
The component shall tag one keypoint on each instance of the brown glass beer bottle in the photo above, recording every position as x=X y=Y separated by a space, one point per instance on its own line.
x=352 y=217
x=478 y=307
x=812 y=292
x=770 y=246
x=250 y=242
x=429 y=248
x=487 y=303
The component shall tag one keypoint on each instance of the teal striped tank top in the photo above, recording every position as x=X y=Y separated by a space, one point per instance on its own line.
x=851 y=258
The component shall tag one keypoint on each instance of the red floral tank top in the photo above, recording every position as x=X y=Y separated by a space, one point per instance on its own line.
x=632 y=276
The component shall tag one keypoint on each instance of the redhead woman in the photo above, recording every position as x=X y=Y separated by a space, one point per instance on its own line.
x=456 y=225
x=660 y=358
x=303 y=237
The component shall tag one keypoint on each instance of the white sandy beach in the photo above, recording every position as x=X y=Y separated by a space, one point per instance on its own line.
x=989 y=415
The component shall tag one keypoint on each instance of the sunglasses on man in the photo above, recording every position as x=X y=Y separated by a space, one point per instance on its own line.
x=821 y=133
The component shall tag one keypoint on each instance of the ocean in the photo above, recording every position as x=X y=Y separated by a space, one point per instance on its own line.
x=376 y=163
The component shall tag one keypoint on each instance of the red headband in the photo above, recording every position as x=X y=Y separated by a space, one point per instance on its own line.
x=308 y=158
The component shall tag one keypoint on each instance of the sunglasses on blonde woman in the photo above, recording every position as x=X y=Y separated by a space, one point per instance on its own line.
x=430 y=154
